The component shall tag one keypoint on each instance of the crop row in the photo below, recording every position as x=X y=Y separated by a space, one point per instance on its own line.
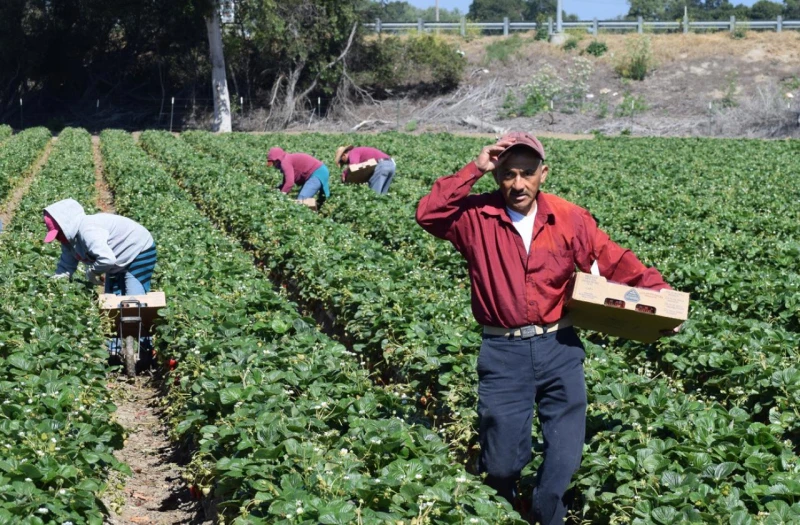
x=387 y=220
x=56 y=430
x=654 y=452
x=285 y=424
x=5 y=132
x=751 y=362
x=17 y=156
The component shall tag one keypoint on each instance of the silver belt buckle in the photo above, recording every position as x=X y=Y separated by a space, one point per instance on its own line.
x=526 y=332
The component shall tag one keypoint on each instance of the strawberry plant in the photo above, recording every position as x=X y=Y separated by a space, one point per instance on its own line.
x=17 y=156
x=284 y=423
x=644 y=428
x=5 y=132
x=56 y=430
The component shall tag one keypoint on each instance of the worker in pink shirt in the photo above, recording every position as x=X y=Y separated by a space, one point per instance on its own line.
x=300 y=168
x=384 y=172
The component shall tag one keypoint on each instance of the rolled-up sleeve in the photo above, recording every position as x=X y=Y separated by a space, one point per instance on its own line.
x=617 y=264
x=439 y=212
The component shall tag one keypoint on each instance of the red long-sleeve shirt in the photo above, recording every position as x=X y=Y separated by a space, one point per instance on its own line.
x=297 y=168
x=512 y=288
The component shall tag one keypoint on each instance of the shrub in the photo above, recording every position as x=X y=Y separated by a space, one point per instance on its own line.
x=541 y=28
x=597 y=48
x=630 y=105
x=637 y=60
x=504 y=49
x=538 y=94
x=570 y=44
x=739 y=32
x=729 y=98
x=577 y=84
x=416 y=60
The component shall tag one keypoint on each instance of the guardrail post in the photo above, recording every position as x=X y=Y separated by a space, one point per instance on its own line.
x=505 y=26
x=733 y=23
x=463 y=26
x=594 y=26
x=420 y=25
x=378 y=25
x=639 y=25
x=779 y=24
x=549 y=25
x=685 y=23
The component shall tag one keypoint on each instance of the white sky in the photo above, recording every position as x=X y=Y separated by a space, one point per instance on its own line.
x=585 y=9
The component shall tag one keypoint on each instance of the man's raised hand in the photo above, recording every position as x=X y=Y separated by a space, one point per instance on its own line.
x=487 y=159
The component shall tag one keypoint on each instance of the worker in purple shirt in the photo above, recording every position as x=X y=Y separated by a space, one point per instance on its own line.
x=384 y=172
x=300 y=168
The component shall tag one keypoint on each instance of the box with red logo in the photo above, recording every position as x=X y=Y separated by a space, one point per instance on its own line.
x=623 y=311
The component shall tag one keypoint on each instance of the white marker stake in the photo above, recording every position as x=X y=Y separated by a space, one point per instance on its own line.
x=171 y=113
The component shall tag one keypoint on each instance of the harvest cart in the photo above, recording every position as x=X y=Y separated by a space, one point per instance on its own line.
x=133 y=316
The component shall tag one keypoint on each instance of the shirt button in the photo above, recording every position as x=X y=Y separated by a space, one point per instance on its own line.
x=531 y=303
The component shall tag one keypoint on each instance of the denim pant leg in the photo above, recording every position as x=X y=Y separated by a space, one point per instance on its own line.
x=561 y=400
x=382 y=177
x=310 y=188
x=132 y=285
x=506 y=390
x=387 y=181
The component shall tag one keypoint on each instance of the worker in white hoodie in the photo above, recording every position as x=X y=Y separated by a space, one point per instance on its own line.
x=115 y=249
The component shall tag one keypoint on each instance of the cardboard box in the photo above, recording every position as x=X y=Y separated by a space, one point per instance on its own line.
x=623 y=311
x=109 y=301
x=358 y=173
x=310 y=202
x=151 y=303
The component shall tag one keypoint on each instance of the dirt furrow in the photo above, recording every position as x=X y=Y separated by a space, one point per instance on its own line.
x=105 y=201
x=155 y=493
x=10 y=206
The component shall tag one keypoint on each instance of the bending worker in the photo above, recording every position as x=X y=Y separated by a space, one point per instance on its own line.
x=522 y=246
x=300 y=168
x=115 y=249
x=381 y=178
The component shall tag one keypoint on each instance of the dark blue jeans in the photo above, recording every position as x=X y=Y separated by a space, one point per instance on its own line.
x=514 y=374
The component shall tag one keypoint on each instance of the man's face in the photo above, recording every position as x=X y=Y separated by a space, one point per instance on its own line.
x=519 y=176
x=345 y=158
x=270 y=163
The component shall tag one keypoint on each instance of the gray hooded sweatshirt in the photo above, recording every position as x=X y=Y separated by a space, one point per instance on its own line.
x=106 y=242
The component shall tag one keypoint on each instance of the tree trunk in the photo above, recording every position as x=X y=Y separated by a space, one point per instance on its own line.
x=290 y=101
x=219 y=82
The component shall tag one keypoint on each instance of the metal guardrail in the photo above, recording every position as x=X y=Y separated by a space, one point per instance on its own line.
x=592 y=26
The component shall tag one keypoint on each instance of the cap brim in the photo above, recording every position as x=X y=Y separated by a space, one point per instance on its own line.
x=51 y=236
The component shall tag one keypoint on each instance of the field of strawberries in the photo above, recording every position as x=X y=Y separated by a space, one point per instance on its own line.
x=326 y=361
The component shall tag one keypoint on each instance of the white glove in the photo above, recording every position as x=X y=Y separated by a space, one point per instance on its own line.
x=64 y=275
x=94 y=278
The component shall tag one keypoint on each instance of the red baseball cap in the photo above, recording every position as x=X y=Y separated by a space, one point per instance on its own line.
x=52 y=228
x=522 y=140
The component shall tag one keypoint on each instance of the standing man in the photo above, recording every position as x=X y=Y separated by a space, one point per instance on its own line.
x=300 y=168
x=384 y=172
x=522 y=246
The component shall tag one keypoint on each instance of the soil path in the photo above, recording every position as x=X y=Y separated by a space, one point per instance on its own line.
x=105 y=201
x=155 y=494
x=10 y=206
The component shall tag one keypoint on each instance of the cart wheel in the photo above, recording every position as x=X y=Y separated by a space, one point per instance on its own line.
x=129 y=354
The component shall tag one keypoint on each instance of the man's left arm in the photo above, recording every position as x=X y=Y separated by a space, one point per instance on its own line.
x=617 y=264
